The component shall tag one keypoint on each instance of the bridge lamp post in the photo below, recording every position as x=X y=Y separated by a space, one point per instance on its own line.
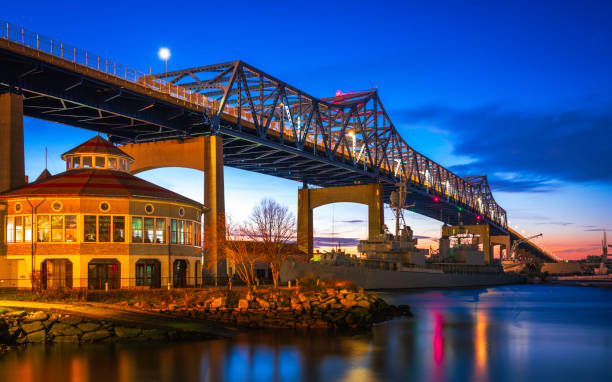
x=352 y=135
x=164 y=54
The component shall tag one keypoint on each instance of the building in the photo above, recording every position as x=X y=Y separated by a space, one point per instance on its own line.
x=96 y=226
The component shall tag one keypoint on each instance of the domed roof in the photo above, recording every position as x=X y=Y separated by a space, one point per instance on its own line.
x=97 y=183
x=97 y=145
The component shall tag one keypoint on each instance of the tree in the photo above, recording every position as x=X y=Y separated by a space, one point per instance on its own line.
x=240 y=253
x=273 y=226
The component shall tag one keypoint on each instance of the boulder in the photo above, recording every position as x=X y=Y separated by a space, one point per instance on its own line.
x=98 y=335
x=263 y=303
x=243 y=303
x=36 y=316
x=71 y=320
x=364 y=304
x=66 y=339
x=154 y=334
x=219 y=302
x=37 y=337
x=61 y=329
x=31 y=327
x=123 y=332
x=88 y=326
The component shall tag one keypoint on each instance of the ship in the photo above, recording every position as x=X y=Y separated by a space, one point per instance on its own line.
x=393 y=261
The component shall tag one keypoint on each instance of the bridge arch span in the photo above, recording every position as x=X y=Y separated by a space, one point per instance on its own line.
x=311 y=198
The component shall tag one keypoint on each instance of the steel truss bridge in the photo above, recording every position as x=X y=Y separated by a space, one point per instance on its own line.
x=267 y=125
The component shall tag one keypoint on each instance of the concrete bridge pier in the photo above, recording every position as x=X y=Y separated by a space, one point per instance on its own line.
x=204 y=154
x=311 y=198
x=12 y=162
x=503 y=241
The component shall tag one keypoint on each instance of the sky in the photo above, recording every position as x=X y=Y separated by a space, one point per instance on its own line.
x=518 y=91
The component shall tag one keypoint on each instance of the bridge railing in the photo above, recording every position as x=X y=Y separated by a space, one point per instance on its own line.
x=78 y=56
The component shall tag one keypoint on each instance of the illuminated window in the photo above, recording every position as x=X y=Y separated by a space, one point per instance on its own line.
x=188 y=233
x=99 y=161
x=42 y=224
x=9 y=230
x=71 y=228
x=136 y=230
x=18 y=229
x=122 y=164
x=160 y=232
x=27 y=228
x=173 y=231
x=76 y=162
x=18 y=207
x=181 y=231
x=57 y=228
x=86 y=162
x=118 y=229
x=149 y=230
x=104 y=228
x=89 y=228
x=112 y=163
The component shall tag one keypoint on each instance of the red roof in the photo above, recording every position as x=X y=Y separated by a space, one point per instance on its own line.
x=99 y=183
x=97 y=145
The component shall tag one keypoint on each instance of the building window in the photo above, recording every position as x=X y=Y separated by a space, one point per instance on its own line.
x=118 y=229
x=86 y=162
x=149 y=230
x=76 y=162
x=160 y=231
x=57 y=228
x=112 y=163
x=122 y=164
x=56 y=206
x=71 y=228
x=173 y=231
x=181 y=212
x=27 y=228
x=18 y=207
x=149 y=209
x=18 y=229
x=188 y=233
x=136 y=230
x=104 y=206
x=42 y=223
x=104 y=228
x=181 y=231
x=89 y=228
x=10 y=235
x=99 y=161
x=198 y=234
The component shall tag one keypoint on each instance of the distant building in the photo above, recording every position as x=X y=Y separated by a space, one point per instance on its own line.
x=96 y=225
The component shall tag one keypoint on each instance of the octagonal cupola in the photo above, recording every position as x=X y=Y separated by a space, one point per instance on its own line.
x=97 y=153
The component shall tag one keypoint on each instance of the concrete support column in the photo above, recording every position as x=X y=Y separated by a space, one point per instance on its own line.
x=305 y=233
x=12 y=166
x=214 y=200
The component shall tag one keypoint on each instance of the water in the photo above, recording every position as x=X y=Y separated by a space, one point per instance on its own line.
x=513 y=333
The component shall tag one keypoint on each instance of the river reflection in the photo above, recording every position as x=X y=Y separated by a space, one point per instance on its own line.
x=526 y=333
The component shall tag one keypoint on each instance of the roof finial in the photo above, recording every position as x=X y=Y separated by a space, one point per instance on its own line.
x=45 y=157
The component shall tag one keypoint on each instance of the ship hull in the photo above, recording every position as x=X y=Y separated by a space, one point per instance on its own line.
x=369 y=278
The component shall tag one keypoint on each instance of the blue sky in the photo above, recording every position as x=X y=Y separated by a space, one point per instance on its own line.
x=519 y=91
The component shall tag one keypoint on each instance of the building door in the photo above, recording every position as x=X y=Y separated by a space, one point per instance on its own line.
x=148 y=273
x=56 y=274
x=103 y=271
x=179 y=274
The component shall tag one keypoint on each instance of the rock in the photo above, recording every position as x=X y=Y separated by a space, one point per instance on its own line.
x=88 y=326
x=37 y=337
x=364 y=304
x=347 y=303
x=263 y=303
x=36 y=316
x=123 y=332
x=61 y=329
x=219 y=302
x=15 y=314
x=98 y=335
x=154 y=334
x=67 y=339
x=243 y=304
x=71 y=320
x=32 y=327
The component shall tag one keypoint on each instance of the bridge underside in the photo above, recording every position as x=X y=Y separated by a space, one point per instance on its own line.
x=86 y=99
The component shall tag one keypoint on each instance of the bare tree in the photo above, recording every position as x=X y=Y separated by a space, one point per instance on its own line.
x=273 y=226
x=240 y=253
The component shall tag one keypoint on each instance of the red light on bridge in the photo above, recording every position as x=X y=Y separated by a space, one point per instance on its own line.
x=338 y=93
x=478 y=217
x=436 y=199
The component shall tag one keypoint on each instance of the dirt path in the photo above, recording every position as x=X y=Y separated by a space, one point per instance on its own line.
x=110 y=313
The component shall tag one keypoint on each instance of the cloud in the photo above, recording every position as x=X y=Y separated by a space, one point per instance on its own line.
x=563 y=224
x=598 y=229
x=319 y=241
x=353 y=221
x=543 y=147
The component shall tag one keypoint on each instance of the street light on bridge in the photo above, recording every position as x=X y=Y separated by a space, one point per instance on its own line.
x=164 y=54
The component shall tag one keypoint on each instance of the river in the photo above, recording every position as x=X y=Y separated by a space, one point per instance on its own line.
x=511 y=333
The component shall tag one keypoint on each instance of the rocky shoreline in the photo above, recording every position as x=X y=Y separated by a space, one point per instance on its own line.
x=324 y=309
x=20 y=328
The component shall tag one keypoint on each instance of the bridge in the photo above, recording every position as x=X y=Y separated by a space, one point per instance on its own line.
x=259 y=122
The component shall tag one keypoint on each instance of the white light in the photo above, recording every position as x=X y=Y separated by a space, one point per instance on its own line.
x=163 y=53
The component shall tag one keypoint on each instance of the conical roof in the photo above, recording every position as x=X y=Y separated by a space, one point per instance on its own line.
x=43 y=175
x=97 y=145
